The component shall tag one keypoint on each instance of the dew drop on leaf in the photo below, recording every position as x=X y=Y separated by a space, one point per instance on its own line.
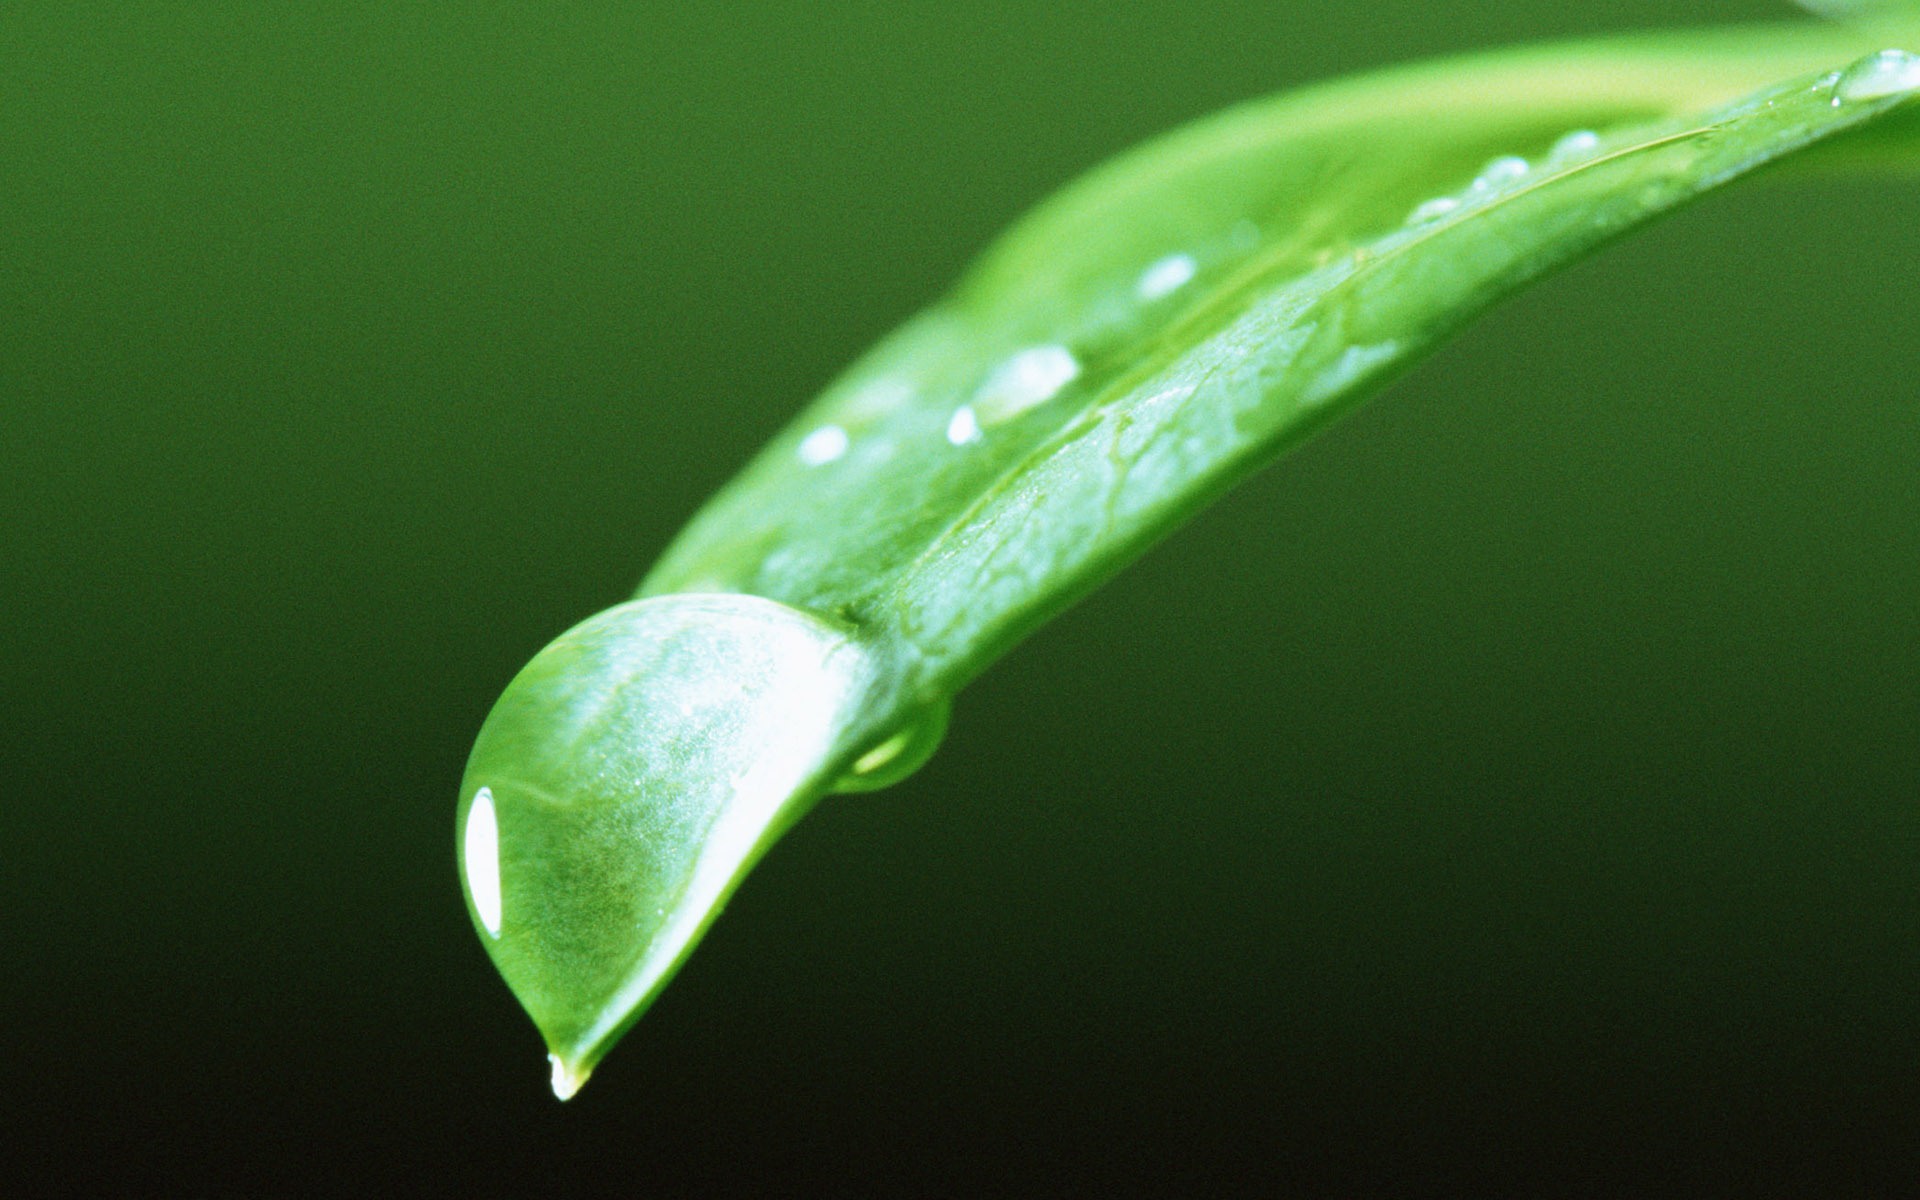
x=1887 y=73
x=1166 y=276
x=823 y=445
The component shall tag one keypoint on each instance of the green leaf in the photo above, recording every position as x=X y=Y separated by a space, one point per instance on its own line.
x=1140 y=343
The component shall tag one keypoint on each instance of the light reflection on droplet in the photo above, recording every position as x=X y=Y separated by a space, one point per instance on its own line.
x=823 y=445
x=1031 y=377
x=1166 y=276
x=481 y=852
x=964 y=427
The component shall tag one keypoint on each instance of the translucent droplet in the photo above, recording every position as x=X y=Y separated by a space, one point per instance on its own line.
x=1031 y=377
x=963 y=427
x=1575 y=145
x=1500 y=172
x=1166 y=276
x=899 y=755
x=1433 y=210
x=634 y=771
x=823 y=445
x=1888 y=73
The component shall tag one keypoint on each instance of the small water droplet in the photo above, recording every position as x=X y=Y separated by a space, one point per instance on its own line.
x=1031 y=377
x=823 y=445
x=1166 y=276
x=481 y=854
x=964 y=427
x=899 y=755
x=1433 y=210
x=1578 y=144
x=1888 y=73
x=1500 y=172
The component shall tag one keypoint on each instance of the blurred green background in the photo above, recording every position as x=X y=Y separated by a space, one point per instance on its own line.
x=1518 y=785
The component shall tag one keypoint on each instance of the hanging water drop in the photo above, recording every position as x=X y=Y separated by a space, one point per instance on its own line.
x=626 y=780
x=1888 y=73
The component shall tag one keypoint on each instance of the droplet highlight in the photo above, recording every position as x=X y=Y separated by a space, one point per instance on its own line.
x=565 y=1080
x=1167 y=276
x=964 y=427
x=823 y=445
x=480 y=851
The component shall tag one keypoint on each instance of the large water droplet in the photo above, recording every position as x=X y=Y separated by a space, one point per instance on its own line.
x=1887 y=73
x=631 y=774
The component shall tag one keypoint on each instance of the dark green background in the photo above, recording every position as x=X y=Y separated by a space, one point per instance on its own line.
x=1516 y=785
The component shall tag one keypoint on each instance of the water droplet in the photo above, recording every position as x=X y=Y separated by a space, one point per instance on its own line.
x=1578 y=144
x=1888 y=73
x=635 y=769
x=823 y=445
x=964 y=427
x=1500 y=172
x=1433 y=210
x=899 y=755
x=1166 y=276
x=481 y=854
x=1031 y=377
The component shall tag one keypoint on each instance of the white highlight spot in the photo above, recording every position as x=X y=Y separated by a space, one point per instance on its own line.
x=1168 y=275
x=823 y=445
x=565 y=1082
x=482 y=855
x=965 y=427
